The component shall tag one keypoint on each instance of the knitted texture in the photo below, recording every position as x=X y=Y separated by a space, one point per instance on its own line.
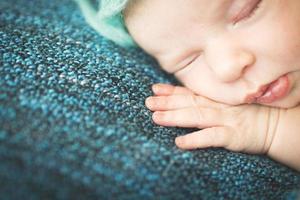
x=107 y=19
x=73 y=124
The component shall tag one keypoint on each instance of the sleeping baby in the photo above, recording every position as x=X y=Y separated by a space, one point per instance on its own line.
x=239 y=63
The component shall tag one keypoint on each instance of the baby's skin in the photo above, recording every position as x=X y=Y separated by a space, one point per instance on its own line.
x=239 y=64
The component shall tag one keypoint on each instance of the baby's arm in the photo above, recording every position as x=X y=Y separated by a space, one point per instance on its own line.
x=246 y=128
x=285 y=146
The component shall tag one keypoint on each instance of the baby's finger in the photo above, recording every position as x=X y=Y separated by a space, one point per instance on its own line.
x=162 y=89
x=172 y=102
x=209 y=137
x=189 y=117
x=167 y=89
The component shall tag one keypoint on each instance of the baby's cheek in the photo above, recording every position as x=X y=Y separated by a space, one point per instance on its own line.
x=285 y=32
x=197 y=78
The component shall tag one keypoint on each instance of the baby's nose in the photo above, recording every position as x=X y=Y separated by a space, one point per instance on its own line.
x=230 y=65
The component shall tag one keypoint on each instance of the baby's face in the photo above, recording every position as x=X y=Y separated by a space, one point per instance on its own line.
x=227 y=50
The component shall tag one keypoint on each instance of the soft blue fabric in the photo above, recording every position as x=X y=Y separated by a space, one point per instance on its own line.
x=107 y=19
x=73 y=124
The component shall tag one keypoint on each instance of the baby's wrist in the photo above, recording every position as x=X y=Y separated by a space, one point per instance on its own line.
x=274 y=115
x=285 y=146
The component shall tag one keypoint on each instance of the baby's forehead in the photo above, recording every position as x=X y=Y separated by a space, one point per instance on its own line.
x=201 y=7
x=161 y=14
x=159 y=27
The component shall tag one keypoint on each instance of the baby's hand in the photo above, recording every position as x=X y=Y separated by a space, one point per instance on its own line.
x=247 y=128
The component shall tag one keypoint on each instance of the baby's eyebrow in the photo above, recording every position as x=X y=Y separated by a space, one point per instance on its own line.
x=220 y=7
x=219 y=4
x=214 y=6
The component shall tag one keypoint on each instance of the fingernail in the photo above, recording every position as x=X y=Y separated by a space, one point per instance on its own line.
x=179 y=140
x=157 y=116
x=149 y=101
x=155 y=88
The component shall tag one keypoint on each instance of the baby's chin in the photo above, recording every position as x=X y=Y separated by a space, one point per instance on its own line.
x=288 y=102
x=282 y=104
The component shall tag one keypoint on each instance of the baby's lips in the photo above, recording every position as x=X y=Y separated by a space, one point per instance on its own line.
x=276 y=91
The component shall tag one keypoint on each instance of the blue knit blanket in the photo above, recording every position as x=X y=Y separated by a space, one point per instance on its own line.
x=73 y=124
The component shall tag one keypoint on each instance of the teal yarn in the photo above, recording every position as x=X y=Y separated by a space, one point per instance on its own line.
x=108 y=20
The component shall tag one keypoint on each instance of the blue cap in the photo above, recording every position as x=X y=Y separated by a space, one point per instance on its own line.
x=108 y=20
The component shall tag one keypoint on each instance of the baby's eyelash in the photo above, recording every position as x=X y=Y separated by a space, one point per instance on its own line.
x=248 y=15
x=189 y=63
